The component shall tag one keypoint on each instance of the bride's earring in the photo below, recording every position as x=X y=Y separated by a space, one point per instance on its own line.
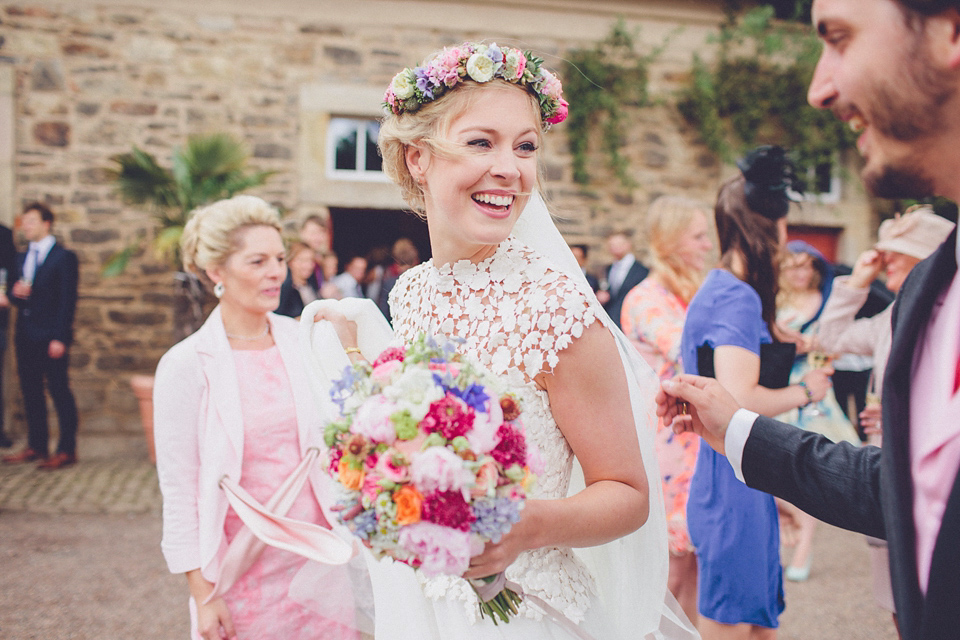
x=218 y=290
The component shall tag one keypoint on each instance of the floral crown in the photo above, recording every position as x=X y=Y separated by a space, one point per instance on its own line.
x=413 y=88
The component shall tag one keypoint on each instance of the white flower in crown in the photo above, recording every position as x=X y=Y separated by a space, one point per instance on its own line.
x=480 y=67
x=404 y=83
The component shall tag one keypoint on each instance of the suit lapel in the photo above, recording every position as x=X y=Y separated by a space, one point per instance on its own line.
x=216 y=359
x=941 y=608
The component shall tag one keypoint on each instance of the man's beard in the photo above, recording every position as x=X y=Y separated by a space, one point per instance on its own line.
x=909 y=109
x=899 y=182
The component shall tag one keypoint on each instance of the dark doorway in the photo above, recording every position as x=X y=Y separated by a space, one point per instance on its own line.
x=357 y=231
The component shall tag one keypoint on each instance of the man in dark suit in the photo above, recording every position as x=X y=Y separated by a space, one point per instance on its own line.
x=8 y=274
x=623 y=274
x=46 y=296
x=885 y=63
x=580 y=252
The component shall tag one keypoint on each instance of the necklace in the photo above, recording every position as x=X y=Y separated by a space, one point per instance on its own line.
x=262 y=334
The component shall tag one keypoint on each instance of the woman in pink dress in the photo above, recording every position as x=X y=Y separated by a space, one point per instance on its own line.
x=232 y=401
x=652 y=318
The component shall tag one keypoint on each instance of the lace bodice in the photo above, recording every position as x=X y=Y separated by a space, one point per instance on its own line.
x=515 y=313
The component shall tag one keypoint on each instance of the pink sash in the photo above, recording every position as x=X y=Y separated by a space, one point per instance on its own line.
x=267 y=525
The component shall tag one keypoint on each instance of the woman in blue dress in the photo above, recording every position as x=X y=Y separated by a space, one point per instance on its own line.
x=734 y=528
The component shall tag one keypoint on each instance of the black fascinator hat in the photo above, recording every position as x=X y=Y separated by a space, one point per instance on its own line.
x=768 y=173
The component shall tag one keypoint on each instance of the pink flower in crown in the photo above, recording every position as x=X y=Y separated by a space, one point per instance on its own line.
x=440 y=550
x=551 y=85
x=561 y=114
x=449 y=416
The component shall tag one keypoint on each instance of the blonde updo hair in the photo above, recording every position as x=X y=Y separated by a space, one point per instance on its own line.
x=427 y=127
x=215 y=231
x=668 y=219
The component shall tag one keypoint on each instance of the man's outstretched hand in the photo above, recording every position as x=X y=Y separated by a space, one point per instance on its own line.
x=696 y=404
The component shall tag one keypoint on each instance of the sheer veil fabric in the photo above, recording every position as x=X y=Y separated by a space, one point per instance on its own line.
x=630 y=572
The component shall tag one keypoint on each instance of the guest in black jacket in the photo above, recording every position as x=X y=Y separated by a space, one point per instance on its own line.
x=8 y=273
x=46 y=296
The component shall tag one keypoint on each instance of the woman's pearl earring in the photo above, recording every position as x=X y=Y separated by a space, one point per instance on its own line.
x=218 y=290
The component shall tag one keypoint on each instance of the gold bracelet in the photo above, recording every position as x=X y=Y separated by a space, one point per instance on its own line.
x=350 y=350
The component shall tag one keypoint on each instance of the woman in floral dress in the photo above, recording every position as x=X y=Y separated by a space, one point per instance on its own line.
x=652 y=319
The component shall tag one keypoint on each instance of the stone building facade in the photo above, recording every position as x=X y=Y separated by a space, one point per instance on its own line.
x=82 y=80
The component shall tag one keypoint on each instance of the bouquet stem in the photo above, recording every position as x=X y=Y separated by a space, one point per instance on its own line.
x=496 y=599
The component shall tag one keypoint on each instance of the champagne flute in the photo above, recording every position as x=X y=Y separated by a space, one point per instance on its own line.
x=817 y=358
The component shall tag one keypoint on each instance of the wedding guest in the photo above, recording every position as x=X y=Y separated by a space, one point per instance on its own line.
x=880 y=61
x=903 y=242
x=298 y=290
x=233 y=400
x=405 y=256
x=581 y=253
x=806 y=279
x=46 y=299
x=730 y=320
x=350 y=282
x=9 y=273
x=465 y=156
x=315 y=233
x=621 y=276
x=653 y=314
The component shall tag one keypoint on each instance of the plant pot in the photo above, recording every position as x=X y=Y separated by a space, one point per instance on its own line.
x=143 y=388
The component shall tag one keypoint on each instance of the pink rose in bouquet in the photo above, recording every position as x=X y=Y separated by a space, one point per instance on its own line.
x=431 y=459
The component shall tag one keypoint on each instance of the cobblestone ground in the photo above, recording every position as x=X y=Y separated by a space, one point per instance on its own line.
x=80 y=560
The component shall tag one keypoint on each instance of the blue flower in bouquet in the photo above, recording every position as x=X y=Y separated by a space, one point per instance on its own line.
x=495 y=517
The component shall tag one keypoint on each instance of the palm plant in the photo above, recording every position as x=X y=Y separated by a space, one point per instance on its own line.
x=207 y=168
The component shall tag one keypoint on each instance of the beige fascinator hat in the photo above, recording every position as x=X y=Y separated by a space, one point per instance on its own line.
x=917 y=233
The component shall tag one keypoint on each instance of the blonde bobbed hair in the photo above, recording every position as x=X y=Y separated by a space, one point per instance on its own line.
x=215 y=231
x=426 y=128
x=668 y=219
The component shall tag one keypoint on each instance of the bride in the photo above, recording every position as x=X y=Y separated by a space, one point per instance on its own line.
x=462 y=141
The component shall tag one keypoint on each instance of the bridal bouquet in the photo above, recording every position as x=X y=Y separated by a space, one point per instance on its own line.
x=431 y=460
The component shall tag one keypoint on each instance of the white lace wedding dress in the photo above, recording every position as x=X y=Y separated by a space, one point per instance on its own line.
x=515 y=313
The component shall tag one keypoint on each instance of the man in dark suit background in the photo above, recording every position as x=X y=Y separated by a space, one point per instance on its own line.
x=46 y=296
x=8 y=274
x=891 y=68
x=581 y=252
x=623 y=274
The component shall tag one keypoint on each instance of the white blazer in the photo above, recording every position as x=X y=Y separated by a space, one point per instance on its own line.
x=198 y=428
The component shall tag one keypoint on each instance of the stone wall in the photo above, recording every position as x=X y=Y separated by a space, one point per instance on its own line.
x=91 y=78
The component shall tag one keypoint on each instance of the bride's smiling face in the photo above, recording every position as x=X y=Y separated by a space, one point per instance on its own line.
x=474 y=196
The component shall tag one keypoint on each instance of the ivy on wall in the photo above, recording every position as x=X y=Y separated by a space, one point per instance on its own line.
x=756 y=93
x=599 y=83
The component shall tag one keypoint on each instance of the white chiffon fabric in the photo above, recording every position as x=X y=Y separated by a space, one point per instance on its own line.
x=615 y=591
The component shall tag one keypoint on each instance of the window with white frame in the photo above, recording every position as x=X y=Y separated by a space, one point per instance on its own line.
x=823 y=184
x=352 y=149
